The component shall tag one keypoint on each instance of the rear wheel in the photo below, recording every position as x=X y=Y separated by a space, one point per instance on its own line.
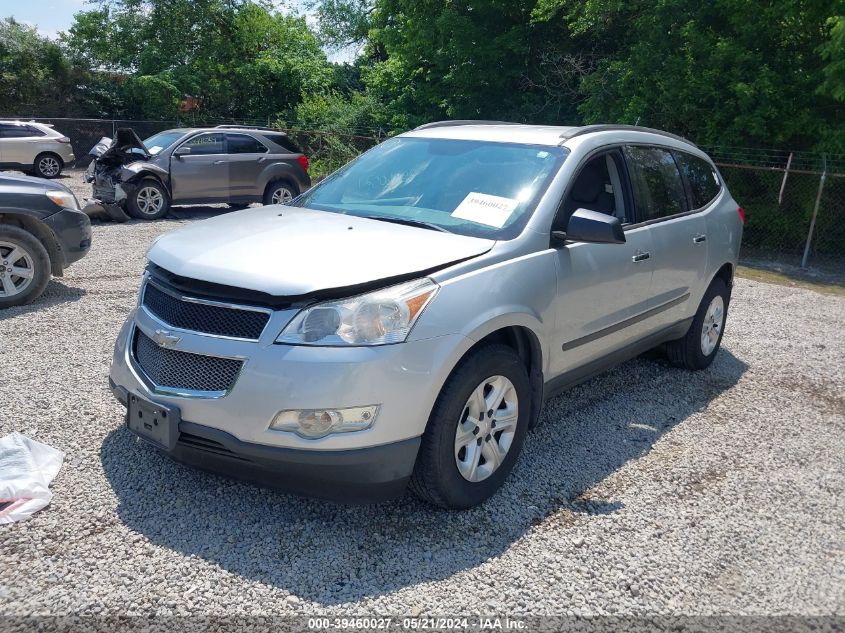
x=149 y=201
x=698 y=348
x=475 y=431
x=24 y=266
x=280 y=192
x=47 y=165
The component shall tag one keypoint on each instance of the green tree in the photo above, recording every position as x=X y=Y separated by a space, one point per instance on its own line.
x=833 y=52
x=722 y=72
x=238 y=58
x=34 y=74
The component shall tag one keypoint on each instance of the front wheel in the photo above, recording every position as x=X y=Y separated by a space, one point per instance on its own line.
x=24 y=266
x=698 y=348
x=475 y=431
x=149 y=201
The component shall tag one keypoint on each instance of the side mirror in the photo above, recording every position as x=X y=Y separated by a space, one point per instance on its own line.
x=593 y=227
x=181 y=151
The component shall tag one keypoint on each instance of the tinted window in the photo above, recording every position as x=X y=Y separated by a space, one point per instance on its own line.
x=658 y=189
x=283 y=140
x=7 y=130
x=206 y=144
x=243 y=144
x=702 y=178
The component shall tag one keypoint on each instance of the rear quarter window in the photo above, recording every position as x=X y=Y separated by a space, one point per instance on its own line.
x=283 y=140
x=702 y=178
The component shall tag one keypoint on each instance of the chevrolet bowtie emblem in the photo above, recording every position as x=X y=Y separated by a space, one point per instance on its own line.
x=163 y=338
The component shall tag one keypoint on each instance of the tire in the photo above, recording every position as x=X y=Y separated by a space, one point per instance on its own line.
x=275 y=188
x=21 y=251
x=47 y=165
x=149 y=200
x=691 y=351
x=437 y=477
x=238 y=206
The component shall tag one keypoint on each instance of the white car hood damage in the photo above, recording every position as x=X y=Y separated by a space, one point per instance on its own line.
x=290 y=251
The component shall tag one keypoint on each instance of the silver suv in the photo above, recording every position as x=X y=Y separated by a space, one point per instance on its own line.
x=34 y=148
x=404 y=320
x=230 y=164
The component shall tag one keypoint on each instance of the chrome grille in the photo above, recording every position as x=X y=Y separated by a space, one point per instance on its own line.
x=208 y=318
x=175 y=370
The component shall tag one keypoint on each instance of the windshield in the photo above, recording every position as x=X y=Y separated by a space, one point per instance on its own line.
x=161 y=141
x=475 y=188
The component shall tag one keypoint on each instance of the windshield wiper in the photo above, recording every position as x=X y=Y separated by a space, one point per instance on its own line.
x=407 y=221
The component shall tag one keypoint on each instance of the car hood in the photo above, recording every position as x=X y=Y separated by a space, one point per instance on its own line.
x=16 y=182
x=290 y=251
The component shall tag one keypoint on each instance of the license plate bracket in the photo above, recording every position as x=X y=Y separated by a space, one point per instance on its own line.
x=156 y=423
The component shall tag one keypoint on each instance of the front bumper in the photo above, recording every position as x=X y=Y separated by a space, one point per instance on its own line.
x=72 y=229
x=363 y=475
x=233 y=426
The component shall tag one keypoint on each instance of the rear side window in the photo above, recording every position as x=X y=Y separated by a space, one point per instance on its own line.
x=658 y=188
x=206 y=144
x=7 y=130
x=702 y=179
x=243 y=144
x=283 y=140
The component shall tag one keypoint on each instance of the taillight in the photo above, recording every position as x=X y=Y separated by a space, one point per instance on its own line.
x=741 y=214
x=63 y=139
x=302 y=159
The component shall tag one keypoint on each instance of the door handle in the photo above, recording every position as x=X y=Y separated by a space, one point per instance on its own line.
x=219 y=162
x=640 y=256
x=698 y=239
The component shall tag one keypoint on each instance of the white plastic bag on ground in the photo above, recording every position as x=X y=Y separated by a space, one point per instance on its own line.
x=26 y=469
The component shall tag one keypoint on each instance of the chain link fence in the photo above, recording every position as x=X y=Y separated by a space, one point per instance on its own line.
x=794 y=201
x=794 y=204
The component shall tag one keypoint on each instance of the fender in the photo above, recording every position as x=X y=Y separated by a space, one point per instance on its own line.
x=33 y=221
x=135 y=171
x=278 y=170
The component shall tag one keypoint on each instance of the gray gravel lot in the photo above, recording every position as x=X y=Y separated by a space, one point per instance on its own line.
x=647 y=490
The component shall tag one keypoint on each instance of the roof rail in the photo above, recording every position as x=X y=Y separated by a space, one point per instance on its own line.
x=249 y=127
x=457 y=122
x=610 y=127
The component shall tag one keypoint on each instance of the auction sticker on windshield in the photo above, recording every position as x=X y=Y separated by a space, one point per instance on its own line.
x=483 y=208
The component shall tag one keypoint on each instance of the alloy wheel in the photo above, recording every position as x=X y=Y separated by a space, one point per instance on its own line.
x=150 y=200
x=486 y=429
x=49 y=166
x=17 y=269
x=281 y=195
x=712 y=326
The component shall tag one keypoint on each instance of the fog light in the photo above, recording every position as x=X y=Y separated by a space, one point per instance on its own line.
x=316 y=423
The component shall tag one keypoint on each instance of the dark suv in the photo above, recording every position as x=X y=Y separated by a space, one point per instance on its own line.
x=42 y=231
x=230 y=164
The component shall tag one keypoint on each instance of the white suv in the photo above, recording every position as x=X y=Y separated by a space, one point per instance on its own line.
x=34 y=147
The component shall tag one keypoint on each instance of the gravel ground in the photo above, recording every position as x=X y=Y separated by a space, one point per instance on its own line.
x=647 y=490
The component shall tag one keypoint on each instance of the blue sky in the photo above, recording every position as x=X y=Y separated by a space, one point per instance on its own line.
x=52 y=16
x=49 y=16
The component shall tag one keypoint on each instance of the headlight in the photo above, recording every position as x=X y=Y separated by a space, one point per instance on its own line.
x=313 y=424
x=63 y=199
x=379 y=318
